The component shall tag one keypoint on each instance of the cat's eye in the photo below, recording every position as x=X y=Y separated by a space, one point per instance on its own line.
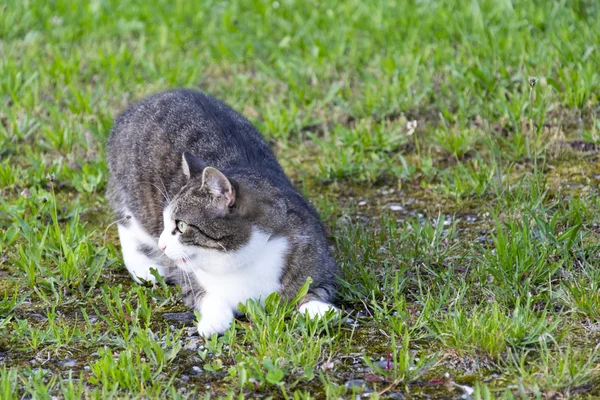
x=181 y=226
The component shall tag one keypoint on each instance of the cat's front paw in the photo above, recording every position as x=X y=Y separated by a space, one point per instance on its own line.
x=215 y=321
x=216 y=315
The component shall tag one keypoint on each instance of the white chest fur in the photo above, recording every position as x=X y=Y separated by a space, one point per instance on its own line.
x=252 y=272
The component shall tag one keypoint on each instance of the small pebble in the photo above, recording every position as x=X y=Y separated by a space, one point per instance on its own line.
x=362 y=203
x=395 y=396
x=67 y=363
x=359 y=383
x=187 y=316
x=39 y=317
x=191 y=345
x=87 y=368
x=484 y=239
x=383 y=364
x=185 y=378
x=395 y=207
x=192 y=331
x=196 y=370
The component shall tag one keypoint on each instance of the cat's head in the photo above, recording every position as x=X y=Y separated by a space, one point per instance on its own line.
x=207 y=217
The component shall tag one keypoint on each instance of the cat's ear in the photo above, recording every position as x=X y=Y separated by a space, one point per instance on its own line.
x=190 y=164
x=218 y=184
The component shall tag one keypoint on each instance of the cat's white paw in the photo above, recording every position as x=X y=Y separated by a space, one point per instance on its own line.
x=138 y=248
x=316 y=308
x=216 y=316
x=214 y=323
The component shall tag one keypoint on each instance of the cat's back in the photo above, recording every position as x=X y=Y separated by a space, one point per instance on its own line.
x=185 y=120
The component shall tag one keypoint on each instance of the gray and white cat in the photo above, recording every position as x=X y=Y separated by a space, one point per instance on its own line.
x=201 y=198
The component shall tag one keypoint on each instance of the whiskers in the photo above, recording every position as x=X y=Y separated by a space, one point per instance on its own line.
x=162 y=191
x=184 y=271
x=186 y=258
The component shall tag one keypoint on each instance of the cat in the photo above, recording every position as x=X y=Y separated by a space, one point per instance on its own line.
x=201 y=199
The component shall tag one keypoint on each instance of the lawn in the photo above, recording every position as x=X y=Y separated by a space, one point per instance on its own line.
x=451 y=148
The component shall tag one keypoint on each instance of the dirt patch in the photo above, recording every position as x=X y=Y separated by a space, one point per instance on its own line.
x=582 y=146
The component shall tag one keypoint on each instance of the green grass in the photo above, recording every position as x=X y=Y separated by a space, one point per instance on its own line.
x=468 y=243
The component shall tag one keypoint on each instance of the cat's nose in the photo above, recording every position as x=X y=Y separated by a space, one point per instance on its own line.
x=162 y=248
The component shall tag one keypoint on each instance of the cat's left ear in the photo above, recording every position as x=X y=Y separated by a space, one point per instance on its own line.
x=219 y=185
x=190 y=164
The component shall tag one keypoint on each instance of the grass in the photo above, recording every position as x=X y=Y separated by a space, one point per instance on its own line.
x=462 y=202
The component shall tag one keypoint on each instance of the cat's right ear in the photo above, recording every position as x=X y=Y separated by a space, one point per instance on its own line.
x=191 y=165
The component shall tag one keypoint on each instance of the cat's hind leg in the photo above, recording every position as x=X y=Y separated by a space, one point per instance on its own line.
x=315 y=307
x=140 y=252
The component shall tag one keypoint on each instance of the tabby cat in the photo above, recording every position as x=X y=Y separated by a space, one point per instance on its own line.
x=201 y=199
